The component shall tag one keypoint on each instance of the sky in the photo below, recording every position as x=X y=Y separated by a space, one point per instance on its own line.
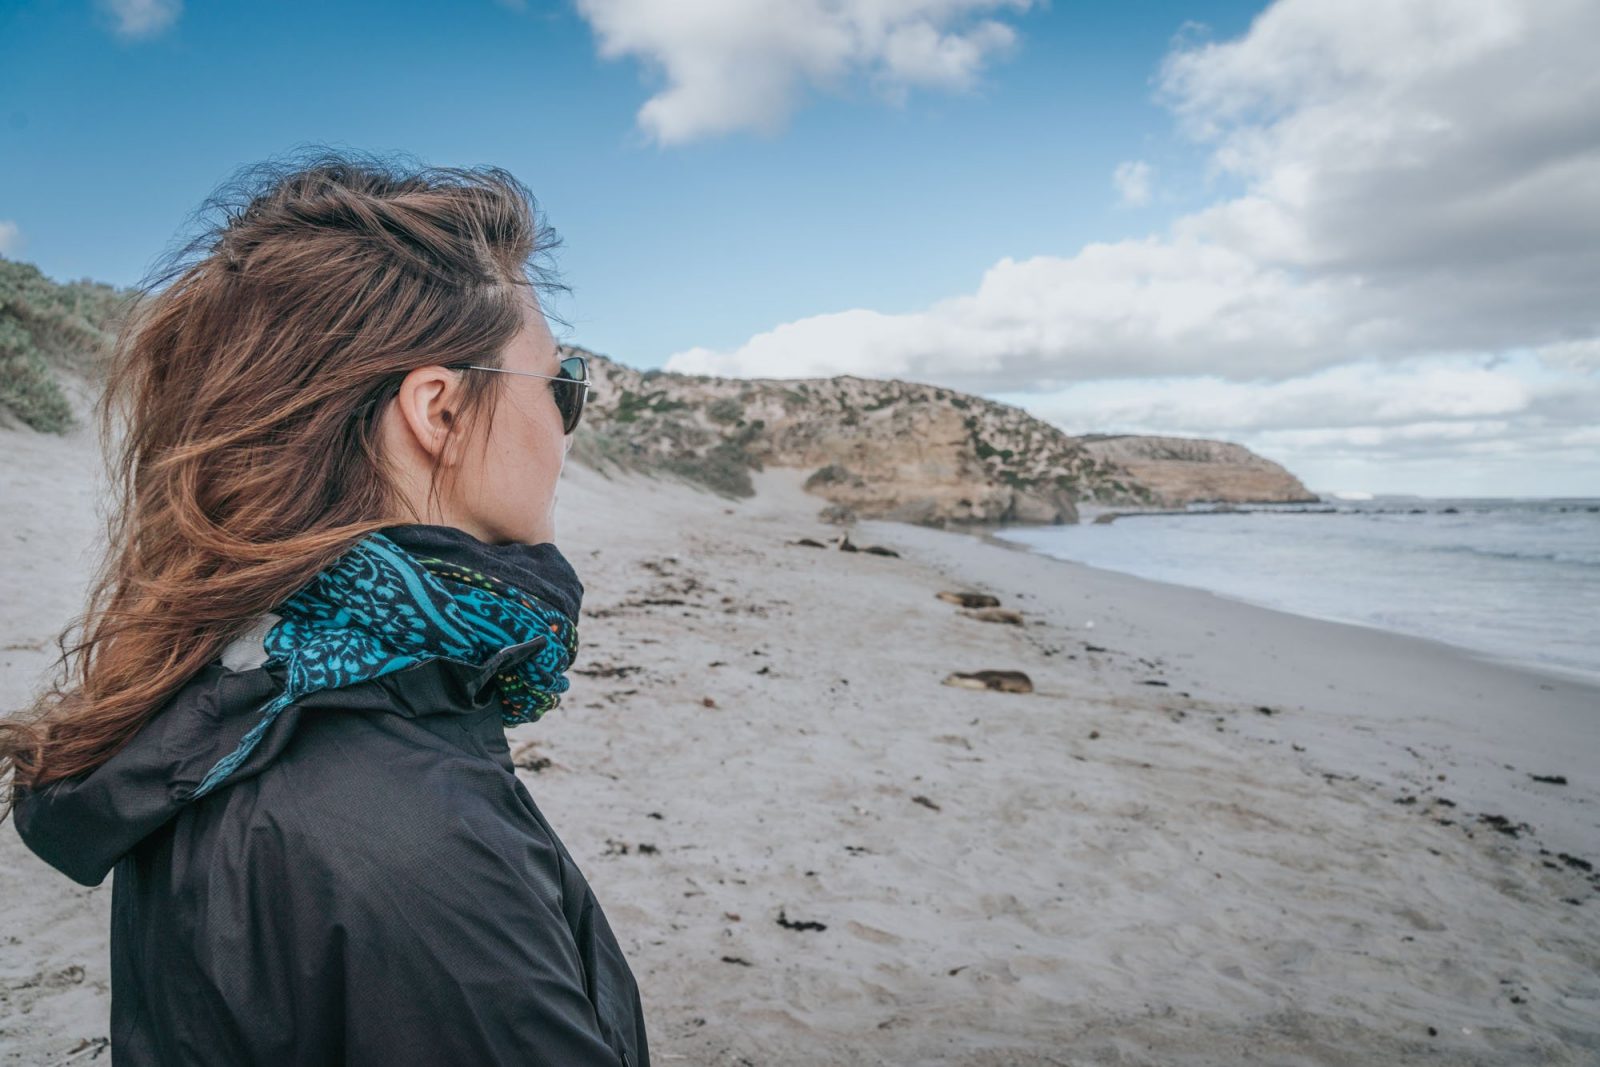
x=1360 y=237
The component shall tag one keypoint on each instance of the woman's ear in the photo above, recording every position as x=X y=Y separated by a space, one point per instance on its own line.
x=427 y=405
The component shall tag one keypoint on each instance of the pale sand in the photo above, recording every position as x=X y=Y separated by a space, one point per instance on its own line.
x=1187 y=887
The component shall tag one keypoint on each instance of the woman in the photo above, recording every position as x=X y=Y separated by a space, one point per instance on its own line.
x=332 y=582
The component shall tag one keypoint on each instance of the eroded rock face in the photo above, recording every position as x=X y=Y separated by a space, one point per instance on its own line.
x=900 y=450
x=878 y=449
x=1183 y=470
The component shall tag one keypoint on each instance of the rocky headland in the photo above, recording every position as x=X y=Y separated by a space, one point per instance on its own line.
x=1186 y=470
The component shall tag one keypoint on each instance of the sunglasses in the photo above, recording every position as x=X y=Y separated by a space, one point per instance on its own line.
x=571 y=386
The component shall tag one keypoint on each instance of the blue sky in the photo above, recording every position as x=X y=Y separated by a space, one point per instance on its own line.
x=945 y=217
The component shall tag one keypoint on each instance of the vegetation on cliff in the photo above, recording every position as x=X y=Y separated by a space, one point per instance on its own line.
x=46 y=328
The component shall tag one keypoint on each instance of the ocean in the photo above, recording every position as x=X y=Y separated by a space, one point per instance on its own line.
x=1514 y=579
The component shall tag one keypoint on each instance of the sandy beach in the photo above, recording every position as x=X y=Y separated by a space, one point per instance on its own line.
x=1212 y=834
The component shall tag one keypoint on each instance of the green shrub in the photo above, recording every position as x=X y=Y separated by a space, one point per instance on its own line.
x=832 y=474
x=724 y=468
x=47 y=327
x=660 y=402
x=602 y=451
x=27 y=389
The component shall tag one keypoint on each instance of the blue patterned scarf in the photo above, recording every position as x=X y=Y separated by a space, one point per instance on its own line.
x=415 y=592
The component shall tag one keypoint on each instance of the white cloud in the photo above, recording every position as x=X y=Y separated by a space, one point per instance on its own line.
x=1152 y=306
x=1442 y=154
x=1573 y=355
x=1419 y=189
x=745 y=64
x=1356 y=394
x=1395 y=425
x=10 y=238
x=136 y=19
x=1131 y=180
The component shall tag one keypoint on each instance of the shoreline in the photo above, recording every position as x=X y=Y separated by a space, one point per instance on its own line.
x=1511 y=661
x=988 y=534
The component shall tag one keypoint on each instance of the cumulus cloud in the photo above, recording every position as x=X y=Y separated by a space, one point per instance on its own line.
x=1443 y=154
x=1416 y=181
x=139 y=19
x=1353 y=395
x=1438 y=424
x=1573 y=355
x=745 y=64
x=10 y=238
x=1131 y=179
x=1389 y=426
x=1182 y=306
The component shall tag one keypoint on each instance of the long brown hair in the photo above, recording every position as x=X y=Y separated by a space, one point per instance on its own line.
x=240 y=414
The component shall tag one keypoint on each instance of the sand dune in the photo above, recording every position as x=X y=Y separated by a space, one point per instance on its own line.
x=1211 y=834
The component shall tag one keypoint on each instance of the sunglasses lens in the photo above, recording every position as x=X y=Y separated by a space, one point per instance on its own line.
x=570 y=394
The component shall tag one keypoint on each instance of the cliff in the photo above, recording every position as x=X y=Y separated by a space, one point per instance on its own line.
x=1184 y=470
x=878 y=448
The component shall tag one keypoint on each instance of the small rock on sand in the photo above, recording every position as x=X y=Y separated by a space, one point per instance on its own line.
x=1004 y=681
x=970 y=600
x=1005 y=615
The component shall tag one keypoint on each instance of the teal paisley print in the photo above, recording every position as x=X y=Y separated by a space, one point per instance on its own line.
x=379 y=608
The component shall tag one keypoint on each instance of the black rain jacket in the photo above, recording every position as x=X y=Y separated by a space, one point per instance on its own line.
x=373 y=885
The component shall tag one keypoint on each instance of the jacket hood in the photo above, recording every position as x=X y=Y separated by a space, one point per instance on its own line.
x=83 y=826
